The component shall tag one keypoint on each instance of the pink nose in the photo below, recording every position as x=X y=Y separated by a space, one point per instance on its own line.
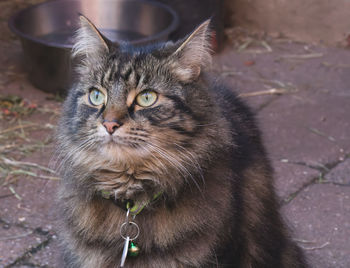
x=111 y=126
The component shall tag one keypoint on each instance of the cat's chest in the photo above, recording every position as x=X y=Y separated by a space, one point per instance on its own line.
x=125 y=183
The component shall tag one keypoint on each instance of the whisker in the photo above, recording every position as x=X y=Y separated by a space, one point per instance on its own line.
x=175 y=163
x=186 y=154
x=69 y=153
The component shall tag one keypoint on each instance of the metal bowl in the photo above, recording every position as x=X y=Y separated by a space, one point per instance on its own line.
x=46 y=32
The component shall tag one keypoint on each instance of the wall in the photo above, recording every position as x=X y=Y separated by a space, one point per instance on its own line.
x=326 y=21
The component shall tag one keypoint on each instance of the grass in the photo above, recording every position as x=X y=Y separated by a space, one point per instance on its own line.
x=245 y=41
x=15 y=106
x=20 y=137
x=11 y=170
x=272 y=86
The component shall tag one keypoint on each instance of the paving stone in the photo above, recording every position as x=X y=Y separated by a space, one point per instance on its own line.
x=36 y=207
x=48 y=256
x=320 y=218
x=307 y=127
x=340 y=174
x=311 y=125
x=34 y=203
x=289 y=178
x=231 y=68
x=15 y=241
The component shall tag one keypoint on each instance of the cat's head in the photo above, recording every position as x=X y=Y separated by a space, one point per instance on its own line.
x=140 y=114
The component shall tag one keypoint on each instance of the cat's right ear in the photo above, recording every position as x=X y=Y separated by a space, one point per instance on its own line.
x=193 y=53
x=89 y=42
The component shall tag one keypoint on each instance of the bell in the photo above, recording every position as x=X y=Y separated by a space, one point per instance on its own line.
x=134 y=250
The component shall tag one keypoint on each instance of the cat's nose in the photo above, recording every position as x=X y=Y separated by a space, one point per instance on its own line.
x=111 y=126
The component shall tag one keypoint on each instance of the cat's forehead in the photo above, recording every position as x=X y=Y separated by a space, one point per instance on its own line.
x=127 y=71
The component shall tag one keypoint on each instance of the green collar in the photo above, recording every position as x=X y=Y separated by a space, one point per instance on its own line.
x=135 y=207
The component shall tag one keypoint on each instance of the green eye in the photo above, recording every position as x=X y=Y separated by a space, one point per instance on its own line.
x=146 y=98
x=96 y=97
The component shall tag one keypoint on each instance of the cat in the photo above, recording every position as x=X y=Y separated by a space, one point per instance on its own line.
x=146 y=132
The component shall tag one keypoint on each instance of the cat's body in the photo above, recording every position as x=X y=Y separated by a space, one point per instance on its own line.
x=197 y=147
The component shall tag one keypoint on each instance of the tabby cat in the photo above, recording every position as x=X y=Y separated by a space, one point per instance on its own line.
x=145 y=132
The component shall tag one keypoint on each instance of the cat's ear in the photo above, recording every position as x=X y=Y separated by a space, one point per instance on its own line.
x=89 y=42
x=193 y=54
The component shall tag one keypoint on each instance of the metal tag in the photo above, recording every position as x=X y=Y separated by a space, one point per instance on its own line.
x=125 y=251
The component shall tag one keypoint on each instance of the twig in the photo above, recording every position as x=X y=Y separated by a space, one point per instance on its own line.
x=245 y=45
x=230 y=73
x=303 y=56
x=313 y=165
x=48 y=110
x=7 y=146
x=319 y=247
x=14 y=193
x=17 y=127
x=22 y=172
x=48 y=177
x=22 y=130
x=26 y=209
x=271 y=91
x=304 y=241
x=28 y=164
x=266 y=45
x=272 y=83
x=32 y=174
x=318 y=132
x=340 y=65
x=16 y=236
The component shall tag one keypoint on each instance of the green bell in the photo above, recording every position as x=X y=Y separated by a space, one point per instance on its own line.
x=133 y=250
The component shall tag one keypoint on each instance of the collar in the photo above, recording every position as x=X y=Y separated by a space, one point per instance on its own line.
x=135 y=207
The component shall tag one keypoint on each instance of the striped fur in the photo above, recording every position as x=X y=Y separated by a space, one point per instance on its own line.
x=198 y=145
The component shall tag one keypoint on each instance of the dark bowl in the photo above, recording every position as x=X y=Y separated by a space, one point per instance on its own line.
x=46 y=32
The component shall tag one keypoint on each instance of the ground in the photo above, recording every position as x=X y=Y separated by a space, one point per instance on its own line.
x=300 y=93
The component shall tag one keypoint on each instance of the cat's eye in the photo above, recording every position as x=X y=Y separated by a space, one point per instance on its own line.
x=146 y=98
x=97 y=97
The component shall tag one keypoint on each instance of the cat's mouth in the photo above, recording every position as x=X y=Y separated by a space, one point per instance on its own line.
x=127 y=138
x=111 y=139
x=115 y=141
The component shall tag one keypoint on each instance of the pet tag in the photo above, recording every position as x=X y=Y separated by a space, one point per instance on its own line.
x=126 y=232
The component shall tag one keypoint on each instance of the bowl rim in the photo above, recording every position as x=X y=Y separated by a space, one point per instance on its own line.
x=173 y=25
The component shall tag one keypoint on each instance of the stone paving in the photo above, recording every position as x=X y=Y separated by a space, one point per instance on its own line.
x=306 y=133
x=305 y=130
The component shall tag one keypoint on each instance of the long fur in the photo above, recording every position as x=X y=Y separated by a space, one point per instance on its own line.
x=198 y=145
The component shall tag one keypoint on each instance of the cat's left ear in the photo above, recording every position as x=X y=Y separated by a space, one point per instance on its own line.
x=193 y=54
x=89 y=42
